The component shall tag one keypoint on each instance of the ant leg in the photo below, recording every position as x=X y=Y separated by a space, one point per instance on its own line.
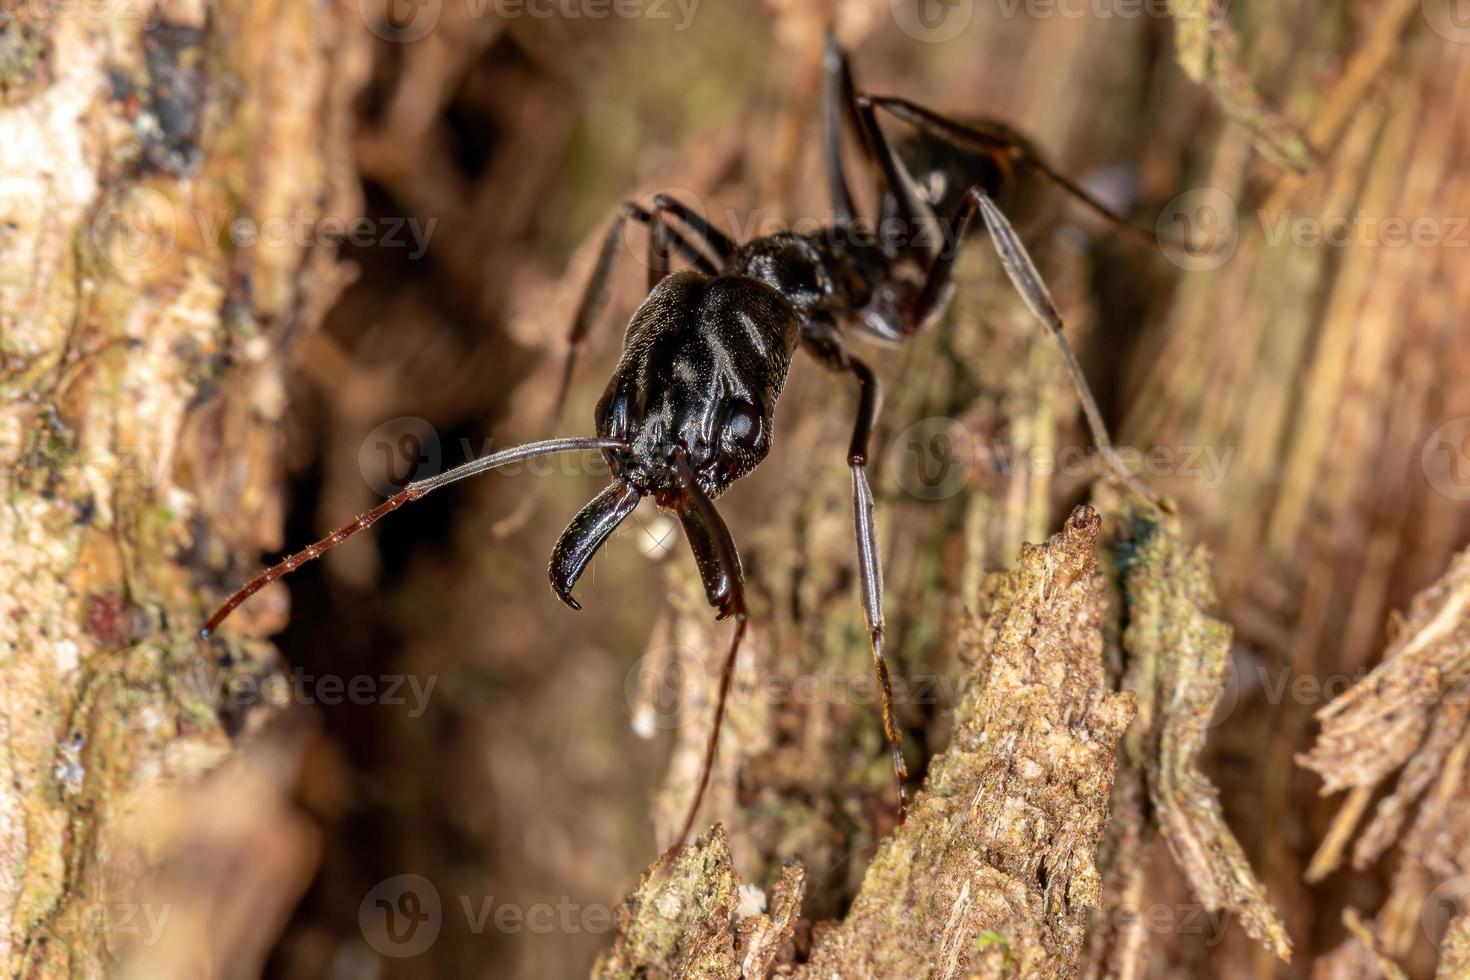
x=598 y=288
x=658 y=249
x=714 y=246
x=1028 y=282
x=837 y=101
x=724 y=586
x=1007 y=151
x=870 y=565
x=927 y=239
x=825 y=343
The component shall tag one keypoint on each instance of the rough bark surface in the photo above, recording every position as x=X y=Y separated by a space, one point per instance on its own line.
x=1173 y=656
x=163 y=380
x=993 y=874
x=142 y=345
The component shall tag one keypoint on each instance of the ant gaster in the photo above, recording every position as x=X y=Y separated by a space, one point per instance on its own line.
x=689 y=408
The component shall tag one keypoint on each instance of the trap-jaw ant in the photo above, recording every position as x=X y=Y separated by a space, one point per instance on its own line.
x=689 y=408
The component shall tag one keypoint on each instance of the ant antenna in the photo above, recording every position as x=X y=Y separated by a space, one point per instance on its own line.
x=411 y=492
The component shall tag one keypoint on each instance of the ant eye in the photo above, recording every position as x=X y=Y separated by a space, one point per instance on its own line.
x=742 y=428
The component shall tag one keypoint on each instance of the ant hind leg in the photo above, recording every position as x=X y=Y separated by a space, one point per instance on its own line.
x=1028 y=283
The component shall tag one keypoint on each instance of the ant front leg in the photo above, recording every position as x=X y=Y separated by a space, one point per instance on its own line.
x=838 y=102
x=599 y=286
x=824 y=342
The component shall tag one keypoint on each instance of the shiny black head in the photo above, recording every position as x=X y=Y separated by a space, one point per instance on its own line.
x=703 y=363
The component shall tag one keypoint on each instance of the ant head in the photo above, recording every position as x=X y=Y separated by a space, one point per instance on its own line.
x=702 y=366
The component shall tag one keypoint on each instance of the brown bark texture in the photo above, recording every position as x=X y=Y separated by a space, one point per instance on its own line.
x=262 y=263
x=144 y=355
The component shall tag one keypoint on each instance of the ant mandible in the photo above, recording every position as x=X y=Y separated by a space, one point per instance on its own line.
x=689 y=408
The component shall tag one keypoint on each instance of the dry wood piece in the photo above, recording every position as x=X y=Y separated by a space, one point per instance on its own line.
x=1209 y=53
x=151 y=159
x=1380 y=957
x=1455 y=958
x=1408 y=714
x=687 y=919
x=994 y=872
x=1175 y=657
x=1408 y=717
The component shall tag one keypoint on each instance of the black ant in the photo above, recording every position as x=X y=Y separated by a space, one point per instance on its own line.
x=689 y=408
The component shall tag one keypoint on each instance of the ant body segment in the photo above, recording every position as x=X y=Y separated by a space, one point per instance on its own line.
x=689 y=408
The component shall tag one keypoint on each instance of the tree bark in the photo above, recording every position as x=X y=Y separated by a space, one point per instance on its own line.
x=144 y=339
